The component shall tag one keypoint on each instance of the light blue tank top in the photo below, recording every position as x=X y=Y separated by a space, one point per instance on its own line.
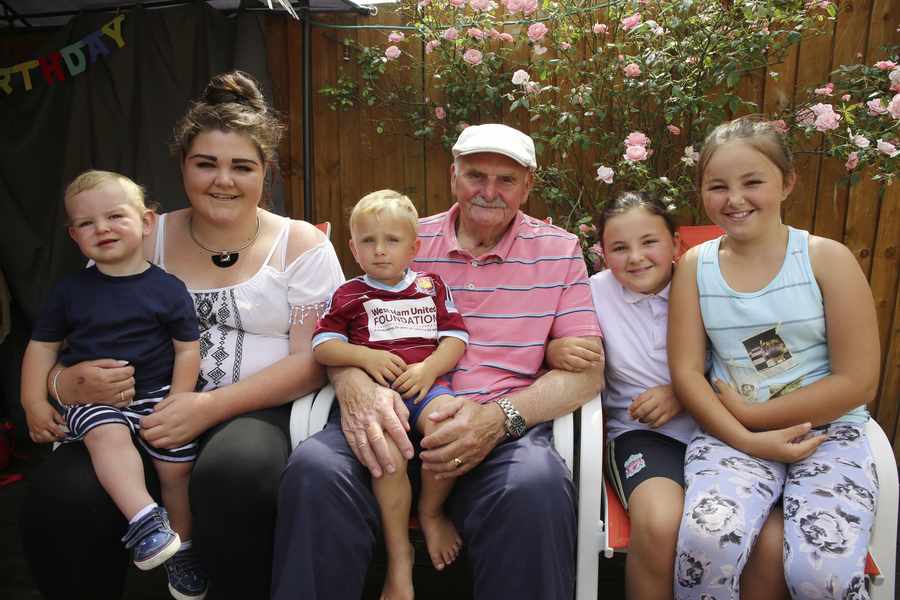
x=772 y=341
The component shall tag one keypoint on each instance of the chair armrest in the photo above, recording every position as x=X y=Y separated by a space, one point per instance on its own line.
x=309 y=414
x=883 y=542
x=589 y=481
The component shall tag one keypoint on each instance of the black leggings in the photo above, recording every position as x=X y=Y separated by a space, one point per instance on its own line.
x=71 y=529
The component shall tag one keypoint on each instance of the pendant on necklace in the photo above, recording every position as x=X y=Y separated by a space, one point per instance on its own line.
x=225 y=259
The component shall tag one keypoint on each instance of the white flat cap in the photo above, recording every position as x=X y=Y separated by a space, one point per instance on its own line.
x=499 y=139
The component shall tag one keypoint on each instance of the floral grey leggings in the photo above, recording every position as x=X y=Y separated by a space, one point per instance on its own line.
x=829 y=506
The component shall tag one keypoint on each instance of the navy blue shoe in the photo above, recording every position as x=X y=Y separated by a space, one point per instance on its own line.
x=187 y=579
x=151 y=540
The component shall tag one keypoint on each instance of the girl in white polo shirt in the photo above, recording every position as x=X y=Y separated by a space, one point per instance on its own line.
x=647 y=428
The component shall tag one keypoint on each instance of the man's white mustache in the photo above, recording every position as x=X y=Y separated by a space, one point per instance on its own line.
x=485 y=203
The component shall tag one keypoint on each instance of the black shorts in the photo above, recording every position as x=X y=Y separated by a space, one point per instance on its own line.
x=636 y=456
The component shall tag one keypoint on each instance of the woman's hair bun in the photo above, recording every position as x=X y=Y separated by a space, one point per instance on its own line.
x=235 y=87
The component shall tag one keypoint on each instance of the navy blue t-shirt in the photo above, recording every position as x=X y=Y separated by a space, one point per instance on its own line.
x=133 y=318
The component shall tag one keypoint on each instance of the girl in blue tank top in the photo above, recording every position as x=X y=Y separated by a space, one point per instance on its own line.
x=793 y=333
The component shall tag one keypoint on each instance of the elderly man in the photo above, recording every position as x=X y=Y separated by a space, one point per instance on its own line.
x=519 y=283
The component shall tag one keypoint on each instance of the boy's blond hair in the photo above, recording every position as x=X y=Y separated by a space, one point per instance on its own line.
x=388 y=203
x=94 y=178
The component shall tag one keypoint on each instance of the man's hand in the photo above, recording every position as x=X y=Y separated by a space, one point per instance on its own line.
x=415 y=381
x=368 y=412
x=656 y=406
x=177 y=420
x=383 y=366
x=104 y=381
x=467 y=431
x=45 y=424
x=787 y=445
x=575 y=354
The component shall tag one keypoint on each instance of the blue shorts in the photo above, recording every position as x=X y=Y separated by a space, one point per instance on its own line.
x=415 y=409
x=80 y=419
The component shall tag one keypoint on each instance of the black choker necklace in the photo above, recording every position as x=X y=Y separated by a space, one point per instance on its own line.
x=224 y=258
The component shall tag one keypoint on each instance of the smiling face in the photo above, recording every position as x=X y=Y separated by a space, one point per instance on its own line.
x=109 y=227
x=639 y=250
x=383 y=245
x=742 y=190
x=223 y=176
x=490 y=189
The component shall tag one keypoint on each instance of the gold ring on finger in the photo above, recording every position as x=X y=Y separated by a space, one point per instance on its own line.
x=457 y=462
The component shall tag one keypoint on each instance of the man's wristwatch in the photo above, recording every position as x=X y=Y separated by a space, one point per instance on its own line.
x=515 y=422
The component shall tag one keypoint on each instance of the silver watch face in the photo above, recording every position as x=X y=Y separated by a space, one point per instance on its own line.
x=516 y=426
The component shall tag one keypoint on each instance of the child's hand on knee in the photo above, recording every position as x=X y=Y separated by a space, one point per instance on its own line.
x=45 y=424
x=656 y=406
x=415 y=381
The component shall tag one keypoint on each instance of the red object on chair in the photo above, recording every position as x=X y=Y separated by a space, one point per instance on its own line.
x=691 y=235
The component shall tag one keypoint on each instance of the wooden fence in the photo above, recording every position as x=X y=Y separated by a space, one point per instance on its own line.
x=350 y=158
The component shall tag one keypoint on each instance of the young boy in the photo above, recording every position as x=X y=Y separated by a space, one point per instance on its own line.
x=126 y=308
x=402 y=328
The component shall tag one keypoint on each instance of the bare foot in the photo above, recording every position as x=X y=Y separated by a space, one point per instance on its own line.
x=398 y=583
x=441 y=538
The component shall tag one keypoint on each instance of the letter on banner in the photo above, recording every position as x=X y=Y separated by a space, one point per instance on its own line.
x=5 y=75
x=25 y=69
x=74 y=57
x=114 y=30
x=51 y=67
x=96 y=47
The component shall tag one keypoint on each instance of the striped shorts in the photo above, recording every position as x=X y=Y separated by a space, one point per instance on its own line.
x=84 y=417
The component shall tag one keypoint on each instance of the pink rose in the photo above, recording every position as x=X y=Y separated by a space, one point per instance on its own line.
x=887 y=148
x=481 y=5
x=894 y=76
x=885 y=65
x=599 y=28
x=521 y=77
x=876 y=107
x=585 y=229
x=396 y=37
x=423 y=3
x=845 y=98
x=780 y=126
x=852 y=161
x=629 y=23
x=529 y=6
x=493 y=33
x=532 y=87
x=828 y=90
x=458 y=3
x=392 y=52
x=860 y=141
x=632 y=70
x=538 y=49
x=827 y=121
x=564 y=45
x=506 y=37
x=514 y=5
x=451 y=33
x=673 y=129
x=637 y=138
x=605 y=174
x=472 y=56
x=476 y=33
x=440 y=113
x=430 y=45
x=537 y=31
x=894 y=106
x=636 y=153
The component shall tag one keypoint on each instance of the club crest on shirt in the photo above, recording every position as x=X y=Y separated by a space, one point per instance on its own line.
x=425 y=285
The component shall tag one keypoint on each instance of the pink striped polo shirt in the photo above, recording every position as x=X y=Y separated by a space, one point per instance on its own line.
x=532 y=287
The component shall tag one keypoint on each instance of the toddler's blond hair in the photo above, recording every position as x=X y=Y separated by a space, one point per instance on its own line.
x=388 y=203
x=94 y=178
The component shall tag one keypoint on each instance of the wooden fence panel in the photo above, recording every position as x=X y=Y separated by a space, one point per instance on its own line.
x=351 y=158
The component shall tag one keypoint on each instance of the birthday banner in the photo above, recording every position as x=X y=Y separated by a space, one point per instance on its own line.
x=73 y=56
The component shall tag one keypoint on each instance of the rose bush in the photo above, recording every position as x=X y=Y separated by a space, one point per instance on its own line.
x=589 y=77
